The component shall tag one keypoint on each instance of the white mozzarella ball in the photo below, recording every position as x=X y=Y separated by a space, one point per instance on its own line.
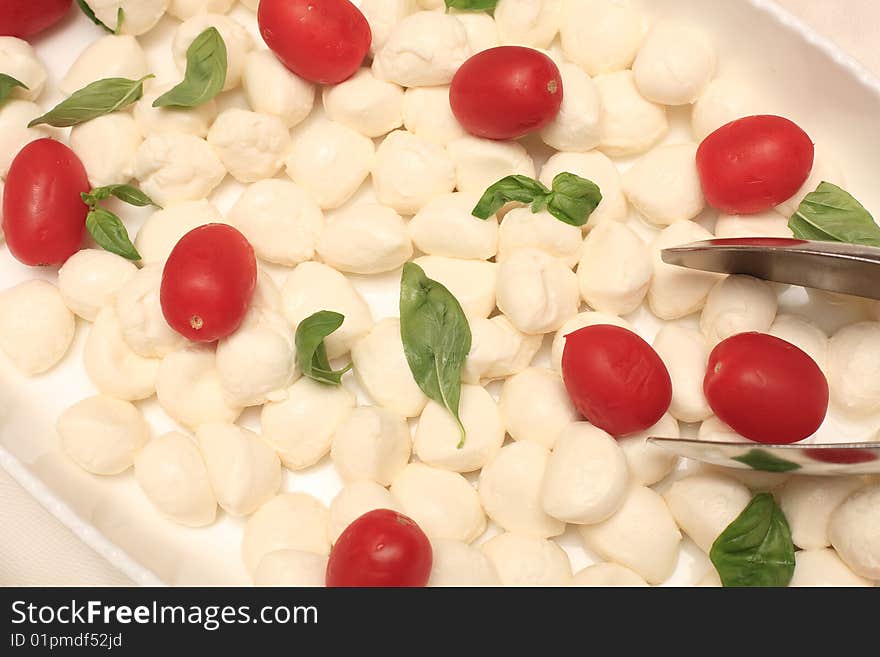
x=372 y=443
x=804 y=335
x=251 y=4
x=456 y=563
x=140 y=314
x=36 y=328
x=674 y=64
x=579 y=321
x=649 y=463
x=522 y=560
x=597 y=167
x=685 y=353
x=536 y=291
x=630 y=123
x=90 y=279
x=710 y=580
x=365 y=238
x=19 y=60
x=642 y=536
x=424 y=49
x=808 y=503
x=762 y=224
x=184 y=9
x=664 y=185
x=607 y=574
x=410 y=171
x=535 y=406
x=364 y=103
x=445 y=227
x=137 y=16
x=238 y=42
x=107 y=147
x=271 y=88
x=498 y=350
x=354 y=500
x=615 y=269
x=289 y=521
x=482 y=31
x=722 y=101
x=102 y=434
x=523 y=229
x=171 y=472
x=533 y=23
x=737 y=304
x=157 y=120
x=600 y=36
x=175 y=167
x=854 y=368
x=854 y=530
x=250 y=145
x=823 y=568
x=383 y=16
x=437 y=439
x=511 y=490
x=189 y=388
x=312 y=287
x=442 y=503
x=291 y=568
x=244 y=471
x=472 y=282
x=111 y=56
x=330 y=161
x=825 y=169
x=427 y=114
x=480 y=163
x=576 y=127
x=586 y=479
x=704 y=505
x=15 y=114
x=163 y=229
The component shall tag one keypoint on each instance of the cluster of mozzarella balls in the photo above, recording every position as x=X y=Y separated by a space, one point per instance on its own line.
x=525 y=280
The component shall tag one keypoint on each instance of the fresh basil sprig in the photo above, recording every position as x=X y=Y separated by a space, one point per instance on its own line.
x=756 y=549
x=571 y=199
x=831 y=214
x=109 y=232
x=472 y=5
x=436 y=338
x=7 y=85
x=205 y=73
x=90 y=13
x=311 y=354
x=96 y=99
x=125 y=193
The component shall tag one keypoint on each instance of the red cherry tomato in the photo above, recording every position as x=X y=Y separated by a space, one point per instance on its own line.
x=765 y=388
x=323 y=41
x=615 y=379
x=506 y=92
x=208 y=282
x=381 y=548
x=25 y=18
x=44 y=217
x=754 y=164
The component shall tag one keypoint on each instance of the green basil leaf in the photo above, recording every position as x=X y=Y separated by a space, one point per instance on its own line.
x=573 y=199
x=109 y=232
x=205 y=73
x=311 y=354
x=831 y=214
x=7 y=85
x=511 y=188
x=125 y=193
x=756 y=549
x=759 y=459
x=436 y=338
x=472 y=5
x=96 y=99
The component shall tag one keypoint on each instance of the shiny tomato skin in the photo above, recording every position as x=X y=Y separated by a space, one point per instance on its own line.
x=25 y=18
x=208 y=283
x=322 y=41
x=766 y=389
x=615 y=379
x=754 y=163
x=44 y=217
x=506 y=92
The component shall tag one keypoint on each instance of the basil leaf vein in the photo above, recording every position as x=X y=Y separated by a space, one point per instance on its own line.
x=109 y=232
x=205 y=72
x=831 y=214
x=8 y=85
x=472 y=5
x=311 y=354
x=96 y=99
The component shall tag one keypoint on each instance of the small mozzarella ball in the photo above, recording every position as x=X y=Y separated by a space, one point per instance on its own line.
x=615 y=269
x=536 y=291
x=427 y=114
x=482 y=32
x=511 y=490
x=442 y=503
x=664 y=185
x=140 y=314
x=808 y=503
x=480 y=163
x=676 y=292
x=854 y=366
x=291 y=568
x=535 y=406
x=238 y=42
x=271 y=88
x=576 y=127
x=472 y=282
x=111 y=56
x=854 y=530
x=607 y=574
x=251 y=4
x=15 y=114
x=364 y=103
x=586 y=479
x=184 y=9
x=250 y=145
x=410 y=171
x=704 y=505
x=107 y=147
x=738 y=304
x=597 y=167
x=825 y=169
x=424 y=49
x=102 y=434
x=373 y=443
x=579 y=321
x=381 y=368
x=498 y=350
x=723 y=100
x=445 y=227
x=365 y=238
x=458 y=564
x=522 y=560
x=137 y=16
x=762 y=224
x=172 y=473
x=36 y=328
x=710 y=580
x=642 y=536
x=189 y=388
x=804 y=335
x=674 y=65
x=383 y=16
x=438 y=436
x=600 y=36
x=630 y=123
x=330 y=161
x=523 y=229
x=301 y=427
x=354 y=500
x=90 y=279
x=244 y=471
x=685 y=353
x=289 y=521
x=19 y=60
x=312 y=287
x=176 y=167
x=649 y=463
x=823 y=568
x=533 y=23
x=163 y=229
x=159 y=120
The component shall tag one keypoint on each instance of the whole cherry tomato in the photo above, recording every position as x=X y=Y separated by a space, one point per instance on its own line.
x=208 y=282
x=754 y=164
x=765 y=388
x=506 y=92
x=44 y=217
x=615 y=379
x=323 y=41
x=25 y=18
x=381 y=548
